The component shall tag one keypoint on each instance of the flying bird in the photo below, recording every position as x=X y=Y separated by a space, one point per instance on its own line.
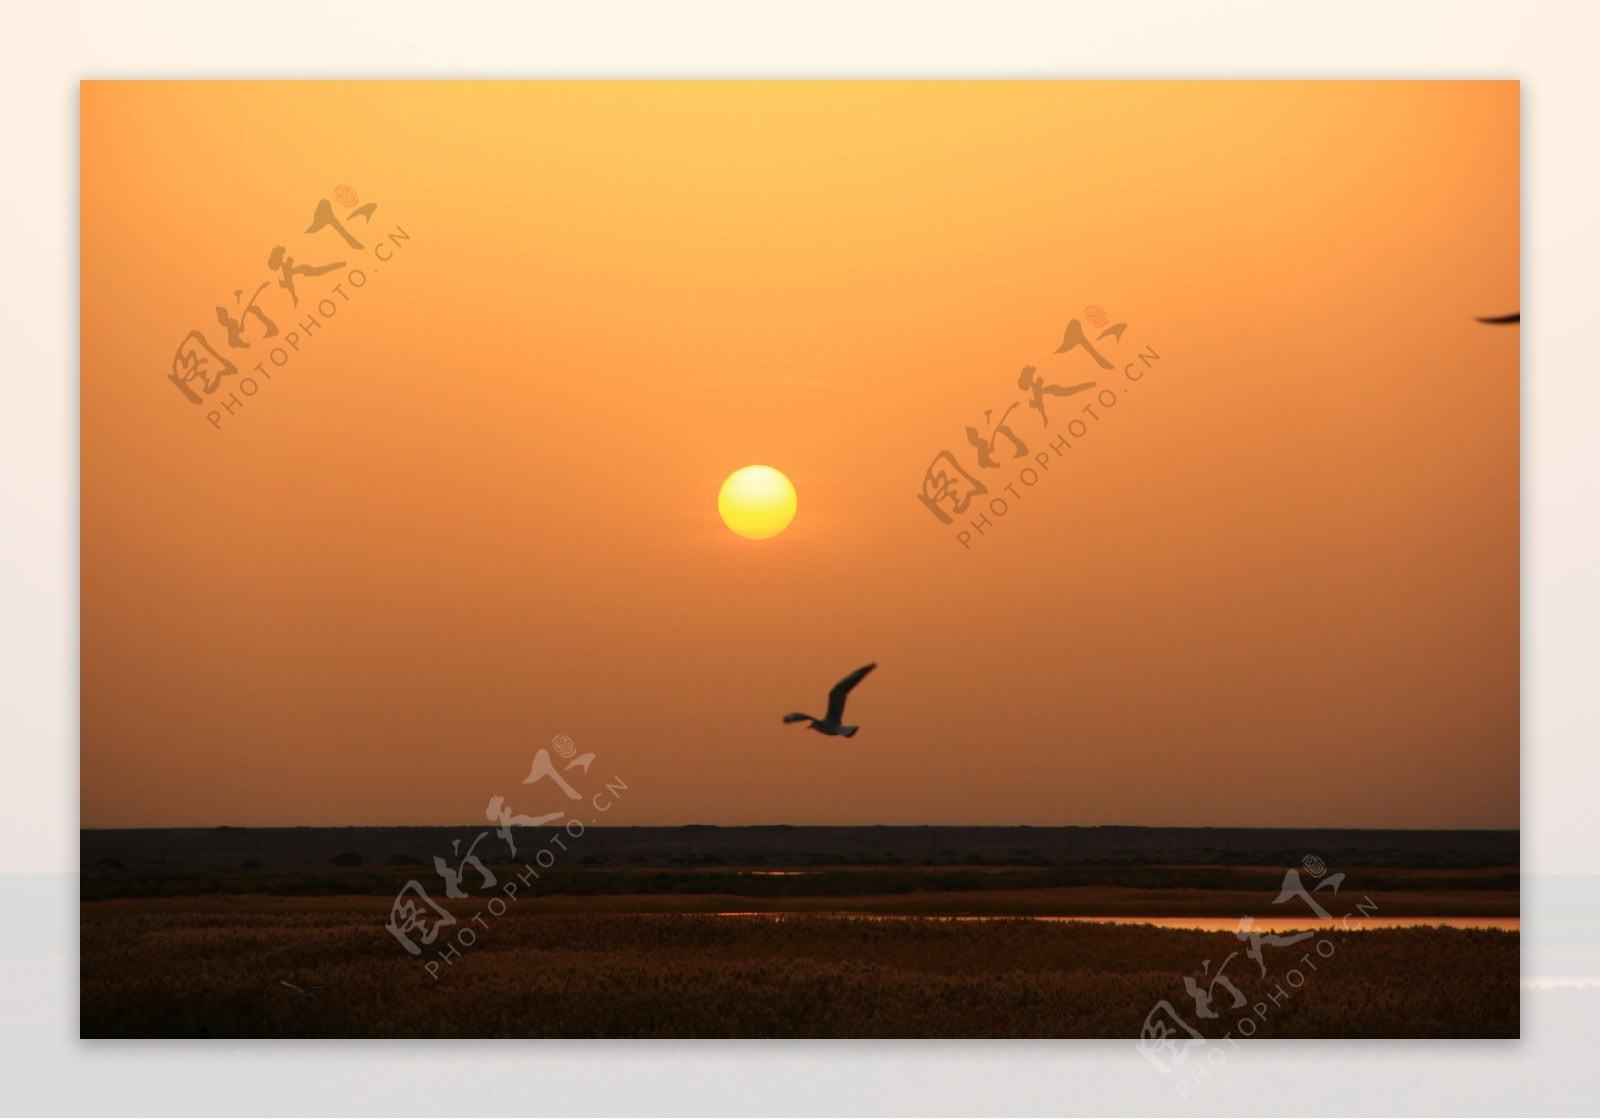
x=305 y=992
x=1515 y=316
x=832 y=723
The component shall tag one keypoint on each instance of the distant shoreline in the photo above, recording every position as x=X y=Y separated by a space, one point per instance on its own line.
x=1460 y=872
x=226 y=847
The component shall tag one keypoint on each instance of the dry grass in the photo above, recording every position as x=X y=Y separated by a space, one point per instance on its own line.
x=211 y=966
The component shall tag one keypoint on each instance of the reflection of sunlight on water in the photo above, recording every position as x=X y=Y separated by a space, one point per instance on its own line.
x=1193 y=924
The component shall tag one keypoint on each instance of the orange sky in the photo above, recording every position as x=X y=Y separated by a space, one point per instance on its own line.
x=1276 y=585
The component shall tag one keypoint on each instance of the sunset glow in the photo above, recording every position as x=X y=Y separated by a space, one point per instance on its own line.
x=1274 y=581
x=757 y=502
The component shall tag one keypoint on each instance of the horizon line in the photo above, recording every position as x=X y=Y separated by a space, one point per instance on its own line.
x=593 y=826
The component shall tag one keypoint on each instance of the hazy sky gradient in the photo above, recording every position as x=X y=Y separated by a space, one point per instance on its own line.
x=1277 y=585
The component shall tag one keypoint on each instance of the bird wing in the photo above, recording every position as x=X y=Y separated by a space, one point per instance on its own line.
x=292 y=987
x=837 y=696
x=795 y=717
x=1514 y=317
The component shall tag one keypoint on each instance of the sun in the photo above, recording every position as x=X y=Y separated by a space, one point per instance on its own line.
x=757 y=502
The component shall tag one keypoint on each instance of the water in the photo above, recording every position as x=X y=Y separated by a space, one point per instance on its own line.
x=1193 y=924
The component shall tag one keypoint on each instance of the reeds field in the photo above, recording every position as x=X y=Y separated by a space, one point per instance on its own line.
x=197 y=935
x=212 y=967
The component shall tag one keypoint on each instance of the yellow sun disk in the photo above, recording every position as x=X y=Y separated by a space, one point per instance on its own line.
x=757 y=502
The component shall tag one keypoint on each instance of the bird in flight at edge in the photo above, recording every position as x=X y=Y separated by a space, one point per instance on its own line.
x=833 y=722
x=1514 y=317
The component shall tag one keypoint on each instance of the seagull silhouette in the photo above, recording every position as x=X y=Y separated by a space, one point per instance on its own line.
x=305 y=992
x=831 y=723
x=1515 y=316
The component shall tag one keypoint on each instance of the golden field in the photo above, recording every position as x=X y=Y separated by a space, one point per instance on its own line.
x=213 y=966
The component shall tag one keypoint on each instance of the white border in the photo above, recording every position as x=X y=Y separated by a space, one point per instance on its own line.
x=46 y=48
